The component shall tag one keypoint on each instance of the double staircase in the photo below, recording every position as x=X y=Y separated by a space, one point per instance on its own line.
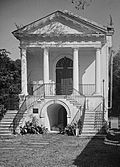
x=91 y=119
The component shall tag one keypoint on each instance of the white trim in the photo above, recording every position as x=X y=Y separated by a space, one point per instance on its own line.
x=96 y=44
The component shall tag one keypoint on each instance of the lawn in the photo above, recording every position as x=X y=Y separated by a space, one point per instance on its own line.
x=57 y=150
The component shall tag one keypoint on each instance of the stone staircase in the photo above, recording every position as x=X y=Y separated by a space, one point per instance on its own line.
x=6 y=127
x=93 y=123
x=79 y=106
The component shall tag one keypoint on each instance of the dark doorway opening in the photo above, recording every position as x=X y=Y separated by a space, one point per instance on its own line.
x=57 y=116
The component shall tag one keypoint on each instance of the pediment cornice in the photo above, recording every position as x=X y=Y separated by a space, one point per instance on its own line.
x=61 y=23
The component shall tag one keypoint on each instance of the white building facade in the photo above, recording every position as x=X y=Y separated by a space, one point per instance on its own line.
x=64 y=70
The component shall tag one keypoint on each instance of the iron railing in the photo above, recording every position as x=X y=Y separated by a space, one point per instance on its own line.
x=87 y=89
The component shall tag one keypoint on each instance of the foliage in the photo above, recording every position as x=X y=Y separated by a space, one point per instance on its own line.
x=32 y=127
x=70 y=130
x=116 y=85
x=81 y=4
x=2 y=111
x=9 y=78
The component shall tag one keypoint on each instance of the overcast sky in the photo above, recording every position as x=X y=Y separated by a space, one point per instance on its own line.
x=23 y=12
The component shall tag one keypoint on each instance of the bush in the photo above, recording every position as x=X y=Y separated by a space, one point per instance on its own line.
x=32 y=128
x=2 y=111
x=70 y=130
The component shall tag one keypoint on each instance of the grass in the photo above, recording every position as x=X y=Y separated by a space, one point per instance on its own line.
x=57 y=150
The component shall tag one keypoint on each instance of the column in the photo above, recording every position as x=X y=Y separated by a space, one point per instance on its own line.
x=46 y=65
x=46 y=71
x=75 y=69
x=24 y=71
x=98 y=71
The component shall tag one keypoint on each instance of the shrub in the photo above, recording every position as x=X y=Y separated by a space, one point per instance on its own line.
x=70 y=130
x=32 y=127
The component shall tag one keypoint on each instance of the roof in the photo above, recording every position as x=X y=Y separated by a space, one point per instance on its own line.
x=62 y=22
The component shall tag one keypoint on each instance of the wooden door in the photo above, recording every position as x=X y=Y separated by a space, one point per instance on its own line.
x=64 y=76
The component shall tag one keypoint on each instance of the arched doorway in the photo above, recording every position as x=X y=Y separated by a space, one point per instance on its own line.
x=57 y=116
x=64 y=76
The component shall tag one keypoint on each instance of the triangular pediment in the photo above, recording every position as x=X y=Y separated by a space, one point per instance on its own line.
x=61 y=23
x=55 y=28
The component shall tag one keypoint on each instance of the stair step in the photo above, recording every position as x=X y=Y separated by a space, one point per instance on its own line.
x=89 y=131
x=5 y=132
x=5 y=122
x=89 y=125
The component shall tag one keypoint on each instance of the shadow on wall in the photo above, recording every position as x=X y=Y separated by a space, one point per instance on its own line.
x=98 y=154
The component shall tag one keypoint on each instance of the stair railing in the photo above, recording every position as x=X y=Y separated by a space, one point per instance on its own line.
x=40 y=91
x=80 y=99
x=76 y=117
x=77 y=96
x=99 y=122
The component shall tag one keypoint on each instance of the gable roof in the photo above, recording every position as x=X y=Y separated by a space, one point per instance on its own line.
x=60 y=22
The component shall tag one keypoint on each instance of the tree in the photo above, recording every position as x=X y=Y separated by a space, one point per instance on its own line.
x=81 y=4
x=9 y=78
x=116 y=85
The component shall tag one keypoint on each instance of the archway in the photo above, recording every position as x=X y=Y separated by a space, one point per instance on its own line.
x=57 y=116
x=64 y=76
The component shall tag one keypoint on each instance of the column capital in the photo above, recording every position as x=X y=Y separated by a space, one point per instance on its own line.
x=23 y=46
x=75 y=48
x=98 y=50
x=45 y=47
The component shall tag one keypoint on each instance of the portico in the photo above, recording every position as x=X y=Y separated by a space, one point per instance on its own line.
x=75 y=48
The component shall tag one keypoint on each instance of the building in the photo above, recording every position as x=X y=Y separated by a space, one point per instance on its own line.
x=65 y=61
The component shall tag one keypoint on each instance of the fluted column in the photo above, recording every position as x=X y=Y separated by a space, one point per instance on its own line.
x=75 y=69
x=98 y=71
x=24 y=71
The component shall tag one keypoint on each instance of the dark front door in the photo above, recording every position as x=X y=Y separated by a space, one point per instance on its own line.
x=64 y=76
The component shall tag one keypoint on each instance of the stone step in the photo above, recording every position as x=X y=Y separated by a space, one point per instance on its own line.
x=12 y=111
x=5 y=122
x=89 y=131
x=89 y=125
x=89 y=120
x=5 y=125
x=9 y=117
x=5 y=132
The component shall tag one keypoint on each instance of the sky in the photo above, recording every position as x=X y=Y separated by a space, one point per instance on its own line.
x=23 y=12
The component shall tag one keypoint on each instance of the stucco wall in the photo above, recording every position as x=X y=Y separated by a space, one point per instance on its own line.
x=87 y=66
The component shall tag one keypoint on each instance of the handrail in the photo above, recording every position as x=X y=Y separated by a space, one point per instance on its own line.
x=77 y=96
x=81 y=99
x=40 y=91
x=76 y=117
x=28 y=101
x=99 y=116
